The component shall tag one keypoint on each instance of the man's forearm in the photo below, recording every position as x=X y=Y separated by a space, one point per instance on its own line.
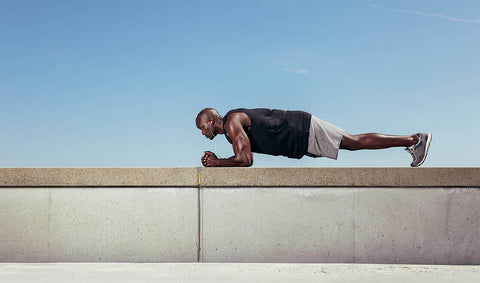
x=232 y=162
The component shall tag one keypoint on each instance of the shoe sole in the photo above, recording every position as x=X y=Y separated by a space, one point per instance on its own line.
x=429 y=139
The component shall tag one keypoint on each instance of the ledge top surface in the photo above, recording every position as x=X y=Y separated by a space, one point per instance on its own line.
x=240 y=177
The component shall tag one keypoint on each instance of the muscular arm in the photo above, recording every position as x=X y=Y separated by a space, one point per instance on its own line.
x=243 y=157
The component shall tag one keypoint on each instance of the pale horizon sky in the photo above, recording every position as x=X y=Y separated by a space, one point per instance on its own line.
x=119 y=83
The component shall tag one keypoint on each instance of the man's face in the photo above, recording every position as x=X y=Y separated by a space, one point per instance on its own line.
x=207 y=128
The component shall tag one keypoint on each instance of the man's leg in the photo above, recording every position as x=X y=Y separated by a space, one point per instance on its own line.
x=417 y=145
x=376 y=141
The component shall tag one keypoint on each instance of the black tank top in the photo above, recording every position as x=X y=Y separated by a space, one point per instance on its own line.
x=276 y=132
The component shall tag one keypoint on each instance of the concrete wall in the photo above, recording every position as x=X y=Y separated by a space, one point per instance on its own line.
x=341 y=215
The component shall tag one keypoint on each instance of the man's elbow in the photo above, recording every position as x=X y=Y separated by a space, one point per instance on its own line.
x=249 y=160
x=246 y=161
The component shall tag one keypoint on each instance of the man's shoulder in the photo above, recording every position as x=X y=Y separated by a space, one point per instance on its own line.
x=235 y=116
x=234 y=111
x=247 y=113
x=235 y=120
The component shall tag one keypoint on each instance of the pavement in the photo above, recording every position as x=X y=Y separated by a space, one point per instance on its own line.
x=235 y=272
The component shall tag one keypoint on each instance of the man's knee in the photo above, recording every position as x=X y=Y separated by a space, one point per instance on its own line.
x=350 y=142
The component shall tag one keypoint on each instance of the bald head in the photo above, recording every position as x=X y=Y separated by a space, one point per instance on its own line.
x=210 y=122
x=207 y=114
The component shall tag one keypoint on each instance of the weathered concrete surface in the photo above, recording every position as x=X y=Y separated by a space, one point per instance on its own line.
x=240 y=177
x=24 y=225
x=417 y=226
x=98 y=177
x=104 y=224
x=361 y=225
x=362 y=215
x=328 y=177
x=277 y=225
x=239 y=272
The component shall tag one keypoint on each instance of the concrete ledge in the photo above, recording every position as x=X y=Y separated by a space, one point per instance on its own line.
x=240 y=177
x=339 y=177
x=98 y=177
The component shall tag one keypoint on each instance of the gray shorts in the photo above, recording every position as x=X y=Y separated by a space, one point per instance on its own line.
x=324 y=139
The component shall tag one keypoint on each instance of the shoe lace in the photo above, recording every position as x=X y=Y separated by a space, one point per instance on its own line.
x=411 y=150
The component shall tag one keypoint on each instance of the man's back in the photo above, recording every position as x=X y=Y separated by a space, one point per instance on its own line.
x=276 y=132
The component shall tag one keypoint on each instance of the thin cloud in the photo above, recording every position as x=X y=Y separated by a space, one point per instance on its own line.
x=296 y=71
x=452 y=19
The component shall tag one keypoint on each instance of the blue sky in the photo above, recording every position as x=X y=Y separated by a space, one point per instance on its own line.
x=119 y=83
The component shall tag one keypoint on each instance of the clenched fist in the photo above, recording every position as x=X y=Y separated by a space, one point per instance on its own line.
x=209 y=159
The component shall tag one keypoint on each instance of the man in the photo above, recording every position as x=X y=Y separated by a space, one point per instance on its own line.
x=292 y=134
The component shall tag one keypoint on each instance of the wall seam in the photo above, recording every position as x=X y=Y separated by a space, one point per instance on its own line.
x=49 y=223
x=199 y=216
x=353 y=225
